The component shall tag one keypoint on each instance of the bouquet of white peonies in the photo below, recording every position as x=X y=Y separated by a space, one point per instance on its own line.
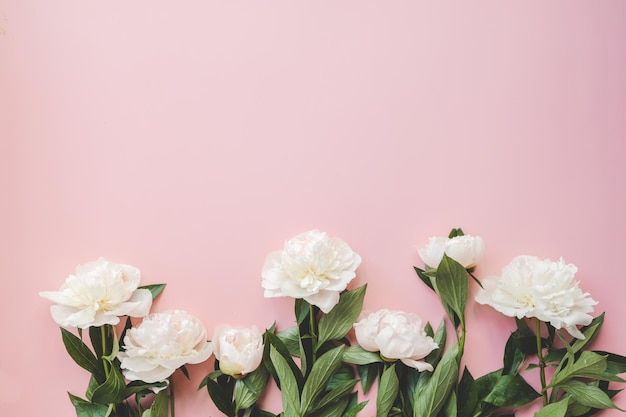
x=335 y=350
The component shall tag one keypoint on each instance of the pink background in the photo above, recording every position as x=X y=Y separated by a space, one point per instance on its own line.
x=192 y=138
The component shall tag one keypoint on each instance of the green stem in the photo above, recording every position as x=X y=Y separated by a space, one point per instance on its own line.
x=313 y=330
x=542 y=364
x=103 y=337
x=172 y=406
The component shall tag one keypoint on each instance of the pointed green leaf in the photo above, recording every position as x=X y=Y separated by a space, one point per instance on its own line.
x=431 y=398
x=511 y=391
x=369 y=374
x=588 y=365
x=557 y=409
x=452 y=285
x=338 y=393
x=271 y=340
x=87 y=409
x=81 y=354
x=358 y=356
x=426 y=279
x=333 y=409
x=291 y=338
x=616 y=364
x=112 y=390
x=248 y=389
x=467 y=394
x=440 y=338
x=337 y=322
x=387 y=391
x=288 y=386
x=588 y=395
x=221 y=397
x=320 y=374
x=155 y=290
x=354 y=411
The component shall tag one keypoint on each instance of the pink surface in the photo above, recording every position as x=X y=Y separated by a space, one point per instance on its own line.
x=191 y=139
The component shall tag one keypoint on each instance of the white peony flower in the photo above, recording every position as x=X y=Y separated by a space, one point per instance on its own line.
x=311 y=266
x=162 y=343
x=239 y=350
x=531 y=287
x=98 y=294
x=396 y=335
x=466 y=250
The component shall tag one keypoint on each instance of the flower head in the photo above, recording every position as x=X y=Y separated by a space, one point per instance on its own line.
x=396 y=335
x=311 y=266
x=239 y=350
x=531 y=287
x=98 y=294
x=466 y=250
x=162 y=343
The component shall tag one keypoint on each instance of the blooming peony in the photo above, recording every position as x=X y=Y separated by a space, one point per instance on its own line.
x=531 y=287
x=466 y=250
x=311 y=266
x=98 y=294
x=162 y=343
x=396 y=335
x=239 y=350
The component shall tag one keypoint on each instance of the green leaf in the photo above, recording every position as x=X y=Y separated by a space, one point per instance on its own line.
x=135 y=387
x=291 y=338
x=436 y=391
x=615 y=364
x=354 y=411
x=302 y=310
x=557 y=409
x=112 y=390
x=338 y=321
x=452 y=286
x=511 y=391
x=321 y=372
x=159 y=405
x=221 y=397
x=369 y=374
x=338 y=393
x=155 y=290
x=248 y=390
x=344 y=373
x=288 y=386
x=81 y=354
x=524 y=338
x=588 y=365
x=450 y=407
x=273 y=341
x=95 y=335
x=467 y=394
x=387 y=391
x=87 y=409
x=358 y=356
x=426 y=279
x=513 y=356
x=440 y=338
x=333 y=409
x=588 y=395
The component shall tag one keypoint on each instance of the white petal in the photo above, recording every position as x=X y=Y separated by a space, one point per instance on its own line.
x=325 y=300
